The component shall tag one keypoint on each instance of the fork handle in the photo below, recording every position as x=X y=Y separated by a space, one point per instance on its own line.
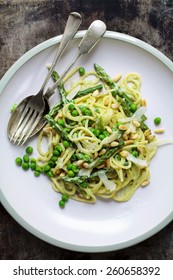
x=72 y=25
x=94 y=33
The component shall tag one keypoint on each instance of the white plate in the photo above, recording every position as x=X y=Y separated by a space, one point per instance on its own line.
x=107 y=225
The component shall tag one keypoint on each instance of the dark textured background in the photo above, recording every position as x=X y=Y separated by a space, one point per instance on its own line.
x=24 y=24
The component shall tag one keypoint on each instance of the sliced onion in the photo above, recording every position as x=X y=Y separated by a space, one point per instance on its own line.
x=136 y=116
x=160 y=143
x=85 y=172
x=110 y=138
x=109 y=185
x=137 y=161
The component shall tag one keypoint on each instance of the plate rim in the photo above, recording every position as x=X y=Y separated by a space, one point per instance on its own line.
x=4 y=81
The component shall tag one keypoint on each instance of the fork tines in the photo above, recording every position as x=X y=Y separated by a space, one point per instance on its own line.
x=27 y=123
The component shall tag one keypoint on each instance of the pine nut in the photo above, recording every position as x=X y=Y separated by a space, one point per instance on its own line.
x=139 y=150
x=136 y=123
x=102 y=152
x=106 y=102
x=128 y=142
x=114 y=106
x=96 y=93
x=122 y=127
x=159 y=131
x=125 y=136
x=109 y=129
x=60 y=115
x=114 y=144
x=124 y=154
x=85 y=165
x=80 y=162
x=95 y=155
x=144 y=102
x=147 y=132
x=108 y=163
x=117 y=78
x=128 y=131
x=134 y=136
x=145 y=183
x=101 y=166
x=150 y=138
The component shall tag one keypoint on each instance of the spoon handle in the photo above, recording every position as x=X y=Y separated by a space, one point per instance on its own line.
x=72 y=25
x=94 y=33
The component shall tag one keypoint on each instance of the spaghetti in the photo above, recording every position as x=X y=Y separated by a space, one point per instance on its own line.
x=97 y=138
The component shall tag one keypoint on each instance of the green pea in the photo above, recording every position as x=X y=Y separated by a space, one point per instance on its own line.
x=52 y=163
x=71 y=107
x=61 y=122
x=83 y=122
x=59 y=148
x=74 y=157
x=133 y=107
x=29 y=150
x=96 y=132
x=64 y=197
x=49 y=174
x=33 y=165
x=92 y=130
x=135 y=153
x=80 y=156
x=81 y=71
x=83 y=108
x=46 y=168
x=71 y=173
x=56 y=152
x=88 y=112
x=25 y=165
x=66 y=143
x=86 y=157
x=26 y=158
x=18 y=161
x=36 y=173
x=106 y=133
x=39 y=169
x=74 y=113
x=69 y=166
x=101 y=136
x=157 y=120
x=32 y=160
x=54 y=158
x=75 y=168
x=62 y=203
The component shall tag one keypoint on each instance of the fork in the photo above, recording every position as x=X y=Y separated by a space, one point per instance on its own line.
x=30 y=111
x=31 y=117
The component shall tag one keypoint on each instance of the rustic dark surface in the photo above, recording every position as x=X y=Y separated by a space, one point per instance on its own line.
x=24 y=24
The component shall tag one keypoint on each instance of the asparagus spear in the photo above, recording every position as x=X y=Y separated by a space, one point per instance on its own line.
x=108 y=154
x=127 y=102
x=63 y=93
x=88 y=90
x=105 y=77
x=57 y=127
x=56 y=109
x=81 y=179
x=55 y=76
x=125 y=107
